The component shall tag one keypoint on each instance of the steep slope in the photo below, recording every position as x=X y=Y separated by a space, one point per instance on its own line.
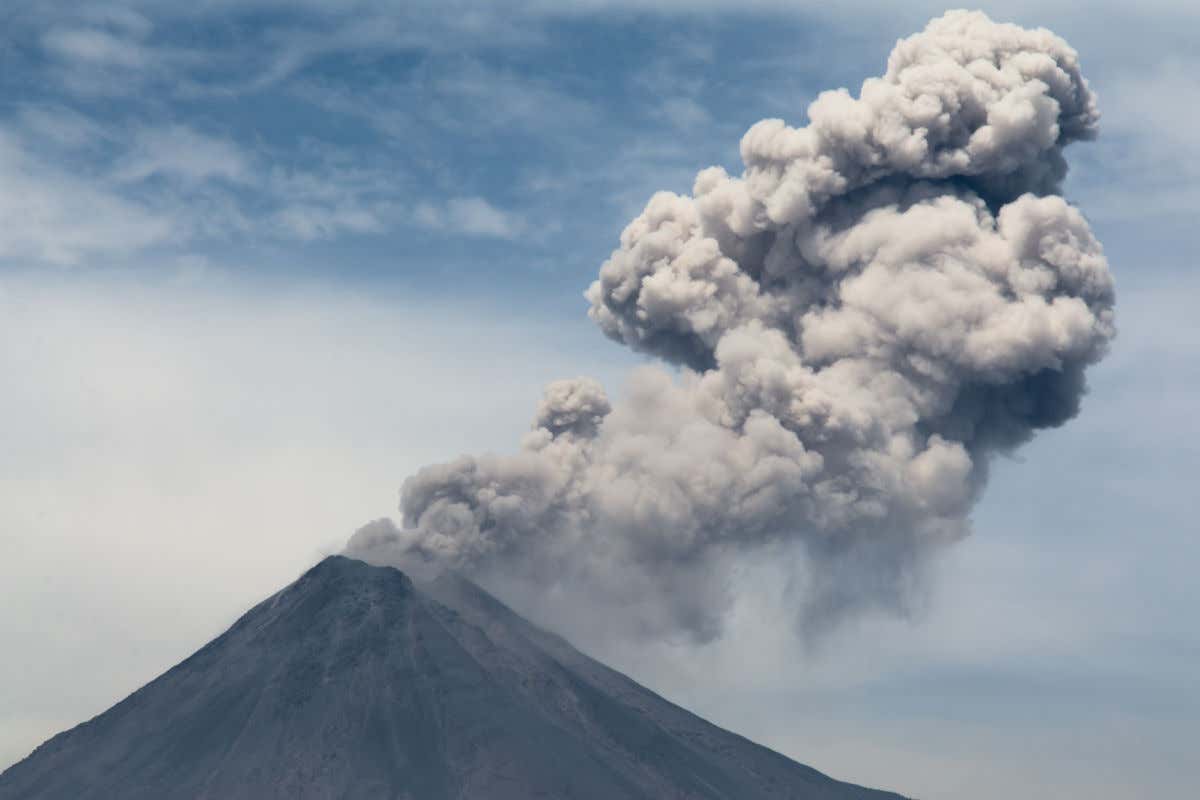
x=353 y=683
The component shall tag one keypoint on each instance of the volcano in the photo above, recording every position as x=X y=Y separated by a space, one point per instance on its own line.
x=354 y=682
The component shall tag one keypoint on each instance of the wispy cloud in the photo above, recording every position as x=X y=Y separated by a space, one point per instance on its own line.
x=685 y=113
x=309 y=222
x=56 y=125
x=470 y=216
x=1151 y=114
x=78 y=190
x=50 y=215
x=94 y=47
x=177 y=151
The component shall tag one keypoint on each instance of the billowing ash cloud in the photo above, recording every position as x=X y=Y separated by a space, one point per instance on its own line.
x=883 y=300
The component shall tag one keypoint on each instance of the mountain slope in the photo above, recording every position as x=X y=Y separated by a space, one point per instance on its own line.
x=353 y=683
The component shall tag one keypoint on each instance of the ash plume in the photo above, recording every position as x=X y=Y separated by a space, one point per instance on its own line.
x=882 y=301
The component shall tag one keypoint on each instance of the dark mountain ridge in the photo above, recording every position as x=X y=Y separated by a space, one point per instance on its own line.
x=353 y=683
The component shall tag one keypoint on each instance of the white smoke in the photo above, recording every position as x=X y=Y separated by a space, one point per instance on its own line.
x=883 y=300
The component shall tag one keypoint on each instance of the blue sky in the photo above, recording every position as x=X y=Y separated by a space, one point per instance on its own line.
x=259 y=261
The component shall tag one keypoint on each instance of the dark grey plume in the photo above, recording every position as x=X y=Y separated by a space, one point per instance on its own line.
x=883 y=300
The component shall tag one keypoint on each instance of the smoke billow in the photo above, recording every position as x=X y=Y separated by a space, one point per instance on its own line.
x=883 y=300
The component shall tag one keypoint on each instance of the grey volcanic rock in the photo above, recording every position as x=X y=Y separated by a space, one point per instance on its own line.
x=353 y=683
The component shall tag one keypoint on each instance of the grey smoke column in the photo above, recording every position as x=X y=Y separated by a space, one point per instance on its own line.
x=880 y=302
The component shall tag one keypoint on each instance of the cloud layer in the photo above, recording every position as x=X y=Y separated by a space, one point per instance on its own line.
x=883 y=300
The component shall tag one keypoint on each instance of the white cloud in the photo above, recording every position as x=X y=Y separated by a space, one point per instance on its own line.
x=470 y=216
x=61 y=126
x=461 y=96
x=309 y=222
x=78 y=189
x=685 y=113
x=94 y=48
x=52 y=216
x=178 y=151
x=122 y=18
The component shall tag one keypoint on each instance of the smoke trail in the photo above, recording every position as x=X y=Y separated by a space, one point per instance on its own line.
x=882 y=300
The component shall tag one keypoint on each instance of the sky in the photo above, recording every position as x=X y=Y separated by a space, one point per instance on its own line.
x=260 y=261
